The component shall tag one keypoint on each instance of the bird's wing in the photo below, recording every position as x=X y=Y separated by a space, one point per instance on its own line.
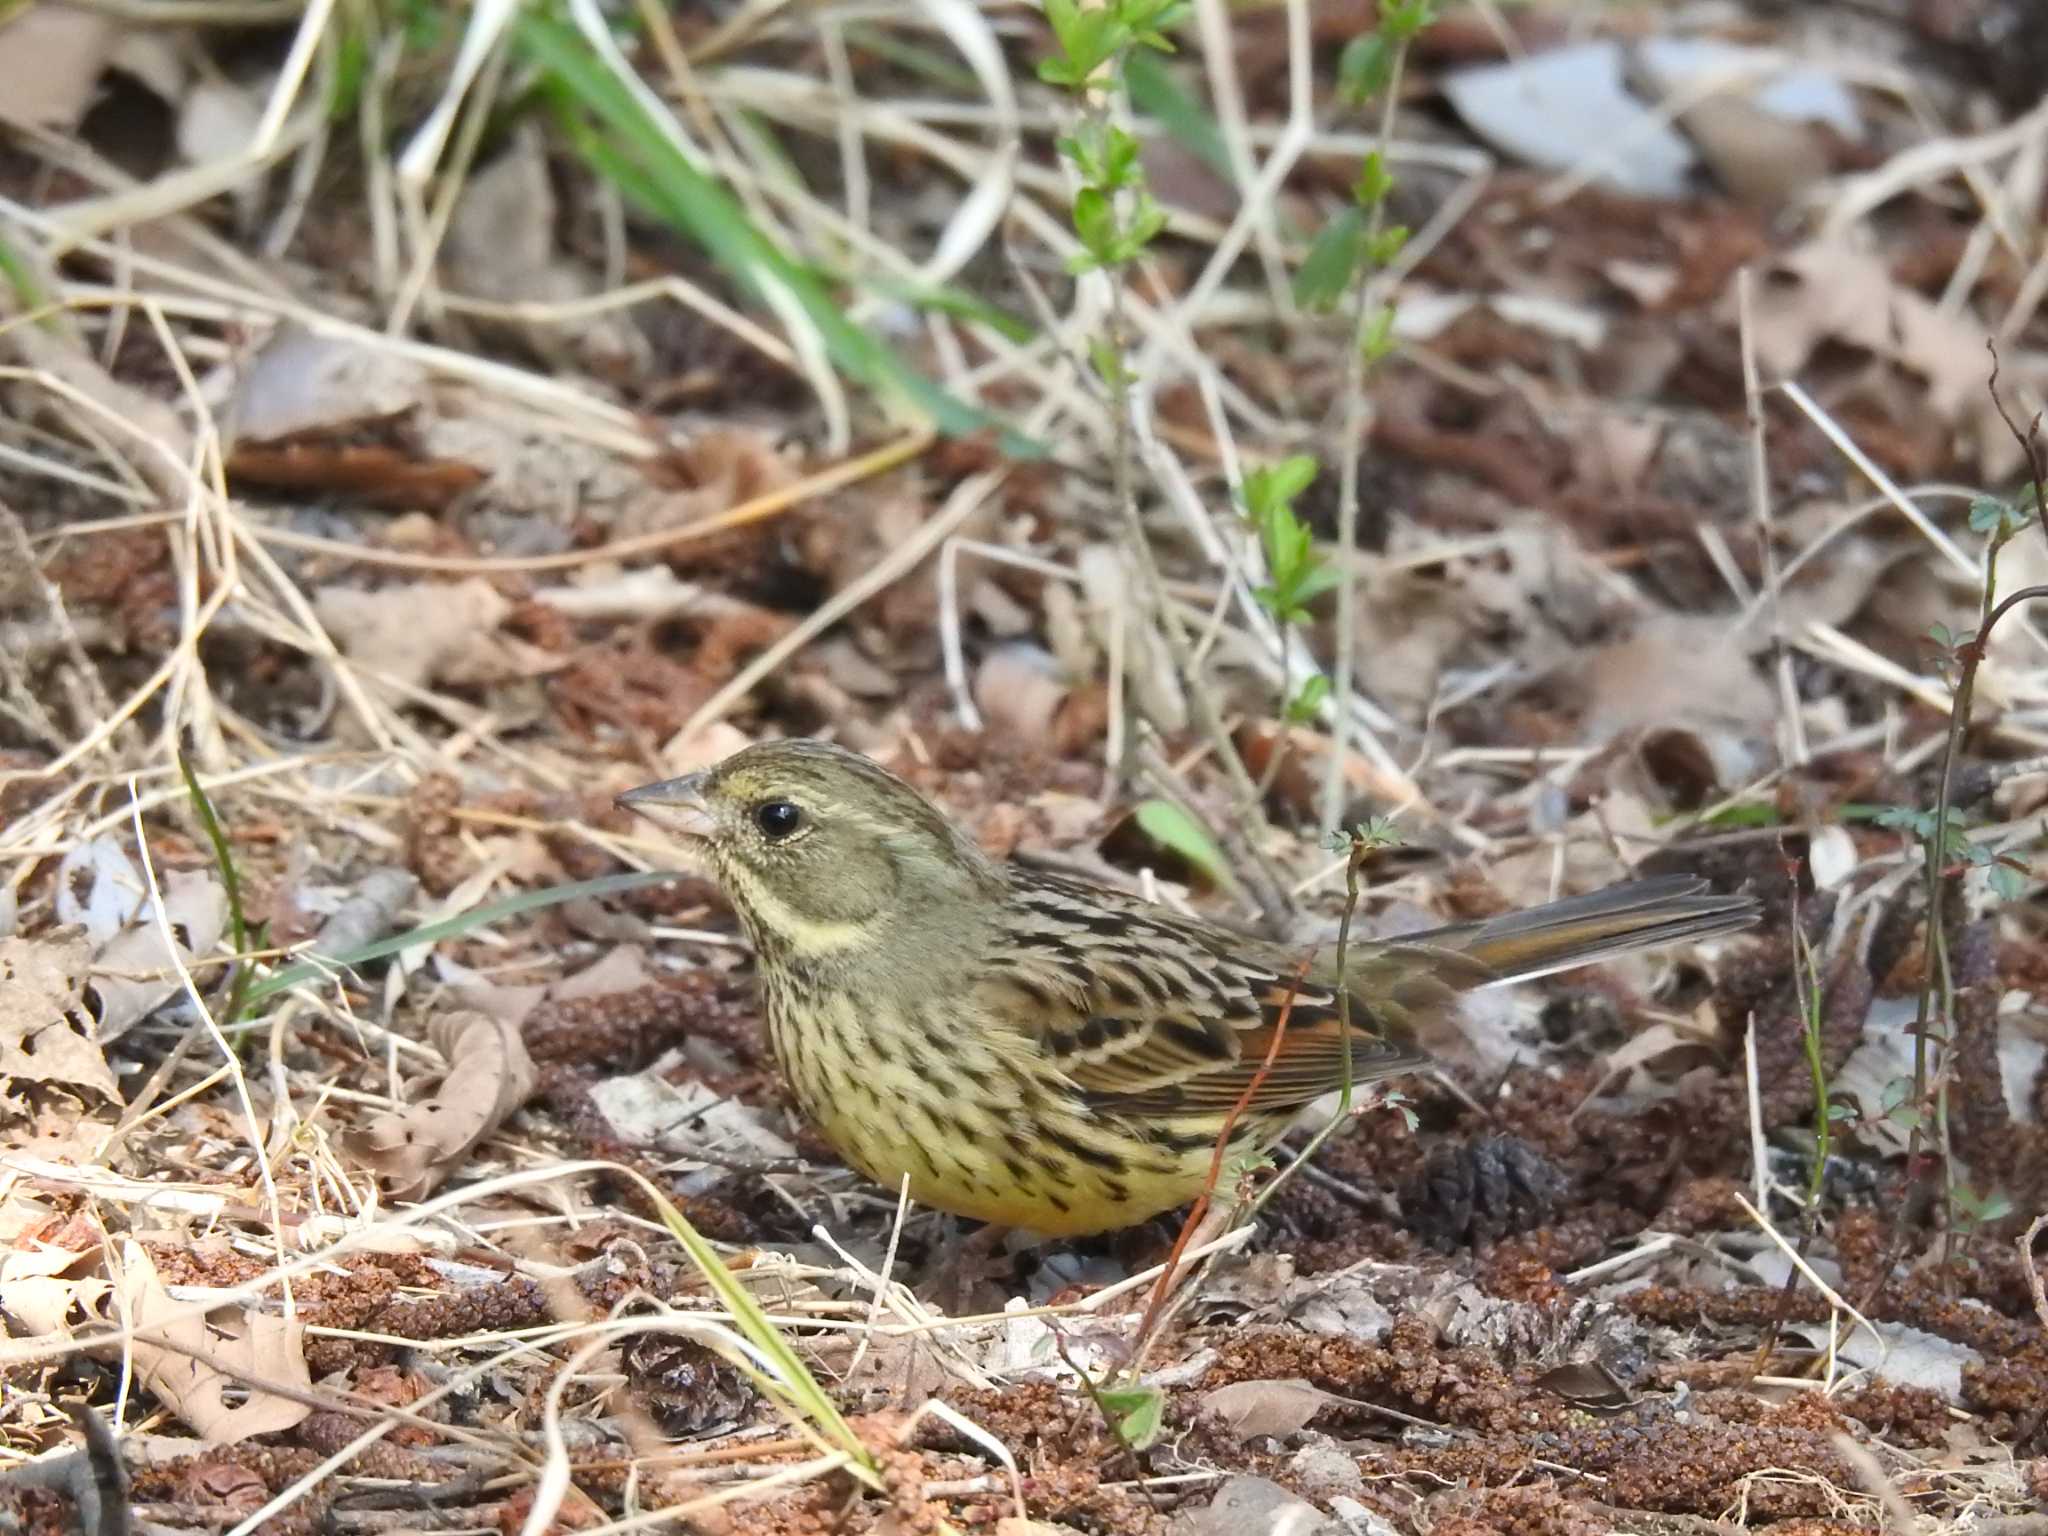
x=1148 y=1013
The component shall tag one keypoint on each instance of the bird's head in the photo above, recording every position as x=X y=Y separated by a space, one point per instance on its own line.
x=818 y=847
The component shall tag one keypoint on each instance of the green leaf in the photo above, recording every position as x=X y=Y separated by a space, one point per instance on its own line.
x=1906 y=819
x=1109 y=363
x=1374 y=181
x=1095 y=223
x=1744 y=816
x=1364 y=69
x=1147 y=21
x=1269 y=488
x=1316 y=580
x=1139 y=1413
x=2008 y=880
x=1158 y=95
x=1301 y=709
x=1174 y=829
x=1381 y=250
x=1402 y=20
x=1980 y=1209
x=1988 y=514
x=1377 y=832
x=1333 y=262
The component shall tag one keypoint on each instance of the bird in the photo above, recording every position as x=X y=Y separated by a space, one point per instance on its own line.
x=1037 y=1051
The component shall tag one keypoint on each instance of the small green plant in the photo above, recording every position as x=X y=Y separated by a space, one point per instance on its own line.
x=1350 y=258
x=1296 y=574
x=1947 y=850
x=1360 y=845
x=1137 y=1411
x=1115 y=219
x=1114 y=213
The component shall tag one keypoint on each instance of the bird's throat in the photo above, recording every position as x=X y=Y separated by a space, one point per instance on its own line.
x=777 y=926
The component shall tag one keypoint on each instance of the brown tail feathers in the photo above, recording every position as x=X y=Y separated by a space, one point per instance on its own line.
x=1580 y=930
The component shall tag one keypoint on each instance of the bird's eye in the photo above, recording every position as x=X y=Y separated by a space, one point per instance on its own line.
x=777 y=819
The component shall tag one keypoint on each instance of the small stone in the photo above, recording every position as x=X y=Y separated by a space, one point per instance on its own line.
x=1324 y=1469
x=1252 y=1506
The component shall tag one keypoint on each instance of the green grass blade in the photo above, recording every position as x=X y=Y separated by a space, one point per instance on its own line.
x=636 y=153
x=448 y=928
x=797 y=1384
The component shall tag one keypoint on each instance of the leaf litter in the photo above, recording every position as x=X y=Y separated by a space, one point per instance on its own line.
x=430 y=497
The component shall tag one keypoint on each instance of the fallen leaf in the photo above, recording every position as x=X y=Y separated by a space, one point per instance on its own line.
x=46 y=1034
x=136 y=973
x=191 y=1361
x=622 y=969
x=1254 y=1410
x=1762 y=159
x=37 y=1291
x=429 y=632
x=375 y=473
x=1019 y=691
x=723 y=467
x=1570 y=108
x=501 y=246
x=1830 y=290
x=99 y=889
x=489 y=1075
x=50 y=62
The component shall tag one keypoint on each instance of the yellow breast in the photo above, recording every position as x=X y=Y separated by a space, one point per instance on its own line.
x=973 y=1117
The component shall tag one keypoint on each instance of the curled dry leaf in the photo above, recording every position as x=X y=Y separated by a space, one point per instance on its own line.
x=1829 y=290
x=39 y=1290
x=46 y=1035
x=137 y=973
x=191 y=1361
x=489 y=1075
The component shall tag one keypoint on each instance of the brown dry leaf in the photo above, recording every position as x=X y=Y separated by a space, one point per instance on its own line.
x=201 y=1358
x=621 y=969
x=1019 y=691
x=430 y=632
x=1686 y=673
x=1765 y=160
x=501 y=246
x=1254 y=1410
x=489 y=1075
x=37 y=1291
x=46 y=1034
x=1831 y=290
x=375 y=473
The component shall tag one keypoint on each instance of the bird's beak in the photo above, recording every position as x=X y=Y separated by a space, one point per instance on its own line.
x=677 y=804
